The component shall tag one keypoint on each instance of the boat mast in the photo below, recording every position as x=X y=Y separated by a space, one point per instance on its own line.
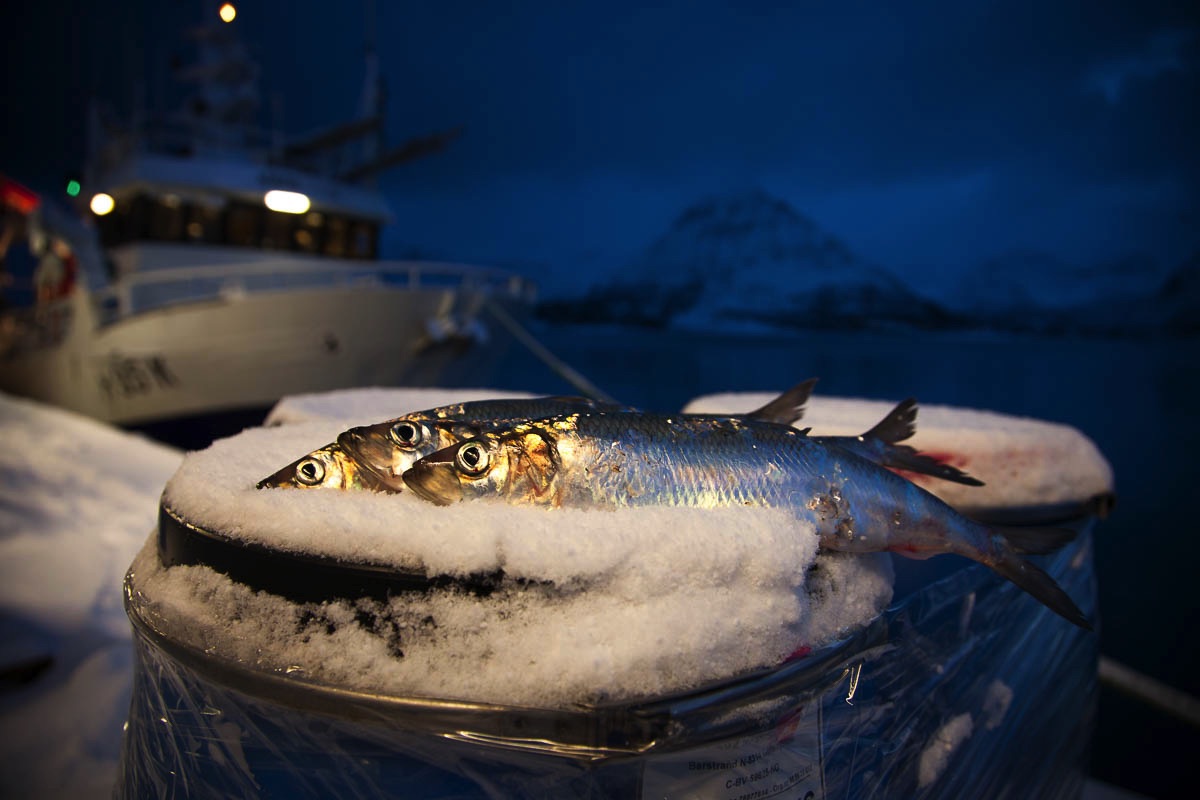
x=374 y=98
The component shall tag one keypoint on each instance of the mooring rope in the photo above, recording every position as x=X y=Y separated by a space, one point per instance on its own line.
x=560 y=367
x=1150 y=691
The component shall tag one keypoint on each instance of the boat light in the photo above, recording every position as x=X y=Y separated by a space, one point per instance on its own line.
x=286 y=202
x=102 y=204
x=227 y=12
x=15 y=196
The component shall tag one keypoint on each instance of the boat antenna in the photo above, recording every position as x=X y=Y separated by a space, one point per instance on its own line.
x=374 y=97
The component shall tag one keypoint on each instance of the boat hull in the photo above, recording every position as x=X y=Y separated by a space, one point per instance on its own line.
x=248 y=350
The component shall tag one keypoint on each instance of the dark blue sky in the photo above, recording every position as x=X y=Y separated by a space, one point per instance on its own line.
x=928 y=135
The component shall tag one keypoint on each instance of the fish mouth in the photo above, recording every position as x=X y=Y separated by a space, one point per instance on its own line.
x=435 y=481
x=279 y=479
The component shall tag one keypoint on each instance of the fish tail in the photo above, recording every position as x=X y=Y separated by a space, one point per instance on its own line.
x=788 y=407
x=1035 y=540
x=1036 y=582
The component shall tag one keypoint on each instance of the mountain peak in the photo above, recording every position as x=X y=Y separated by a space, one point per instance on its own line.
x=740 y=211
x=737 y=234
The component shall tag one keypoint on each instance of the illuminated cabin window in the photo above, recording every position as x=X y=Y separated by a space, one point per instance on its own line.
x=204 y=224
x=335 y=237
x=309 y=232
x=173 y=218
x=166 y=219
x=242 y=224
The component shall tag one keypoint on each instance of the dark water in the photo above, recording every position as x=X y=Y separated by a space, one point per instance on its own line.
x=1135 y=398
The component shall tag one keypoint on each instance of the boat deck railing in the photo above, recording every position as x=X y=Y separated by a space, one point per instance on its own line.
x=144 y=291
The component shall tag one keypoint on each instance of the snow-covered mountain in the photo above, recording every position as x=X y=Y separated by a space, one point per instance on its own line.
x=751 y=258
x=1035 y=291
x=1022 y=280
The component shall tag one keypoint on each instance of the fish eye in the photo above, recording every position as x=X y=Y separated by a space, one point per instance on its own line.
x=310 y=472
x=472 y=458
x=407 y=434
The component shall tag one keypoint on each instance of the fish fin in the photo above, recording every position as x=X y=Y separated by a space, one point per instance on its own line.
x=788 y=407
x=1036 y=582
x=898 y=425
x=901 y=456
x=1035 y=540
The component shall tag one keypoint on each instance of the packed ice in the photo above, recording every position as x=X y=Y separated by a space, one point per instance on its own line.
x=597 y=604
x=1022 y=461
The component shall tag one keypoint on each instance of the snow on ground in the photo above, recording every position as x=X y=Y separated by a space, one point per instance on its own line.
x=77 y=500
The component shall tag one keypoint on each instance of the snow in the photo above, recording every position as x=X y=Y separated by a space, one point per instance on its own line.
x=1022 y=461
x=76 y=501
x=626 y=584
x=750 y=257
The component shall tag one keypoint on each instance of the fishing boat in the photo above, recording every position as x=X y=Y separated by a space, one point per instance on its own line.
x=208 y=266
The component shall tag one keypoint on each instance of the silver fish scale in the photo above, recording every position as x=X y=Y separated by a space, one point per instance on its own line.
x=620 y=459
x=610 y=459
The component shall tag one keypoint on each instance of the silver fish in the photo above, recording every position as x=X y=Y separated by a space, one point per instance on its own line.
x=615 y=459
x=389 y=448
x=329 y=467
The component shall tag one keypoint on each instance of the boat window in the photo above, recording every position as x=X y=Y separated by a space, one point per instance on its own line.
x=237 y=223
x=362 y=240
x=203 y=224
x=166 y=219
x=241 y=224
x=277 y=232
x=335 y=237
x=308 y=232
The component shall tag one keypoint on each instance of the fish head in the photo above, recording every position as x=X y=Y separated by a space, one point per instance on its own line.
x=518 y=466
x=389 y=448
x=330 y=467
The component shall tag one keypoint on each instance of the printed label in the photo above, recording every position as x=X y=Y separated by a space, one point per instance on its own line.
x=781 y=764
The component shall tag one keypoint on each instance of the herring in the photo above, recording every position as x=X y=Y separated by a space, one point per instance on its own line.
x=621 y=458
x=365 y=457
x=380 y=453
x=329 y=467
x=389 y=448
x=376 y=456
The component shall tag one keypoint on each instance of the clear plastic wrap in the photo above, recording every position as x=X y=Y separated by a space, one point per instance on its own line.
x=965 y=687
